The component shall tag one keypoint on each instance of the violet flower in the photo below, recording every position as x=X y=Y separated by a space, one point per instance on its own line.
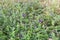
x=24 y=15
x=40 y=20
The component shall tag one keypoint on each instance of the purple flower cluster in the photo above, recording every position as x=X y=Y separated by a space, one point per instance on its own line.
x=40 y=20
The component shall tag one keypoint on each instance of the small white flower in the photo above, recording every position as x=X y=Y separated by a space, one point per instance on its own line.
x=50 y=39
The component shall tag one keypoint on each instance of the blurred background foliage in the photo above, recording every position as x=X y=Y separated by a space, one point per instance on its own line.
x=29 y=20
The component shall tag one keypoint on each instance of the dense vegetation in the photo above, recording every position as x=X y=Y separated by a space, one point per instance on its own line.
x=28 y=21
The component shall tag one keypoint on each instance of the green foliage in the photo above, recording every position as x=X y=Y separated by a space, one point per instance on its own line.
x=28 y=21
